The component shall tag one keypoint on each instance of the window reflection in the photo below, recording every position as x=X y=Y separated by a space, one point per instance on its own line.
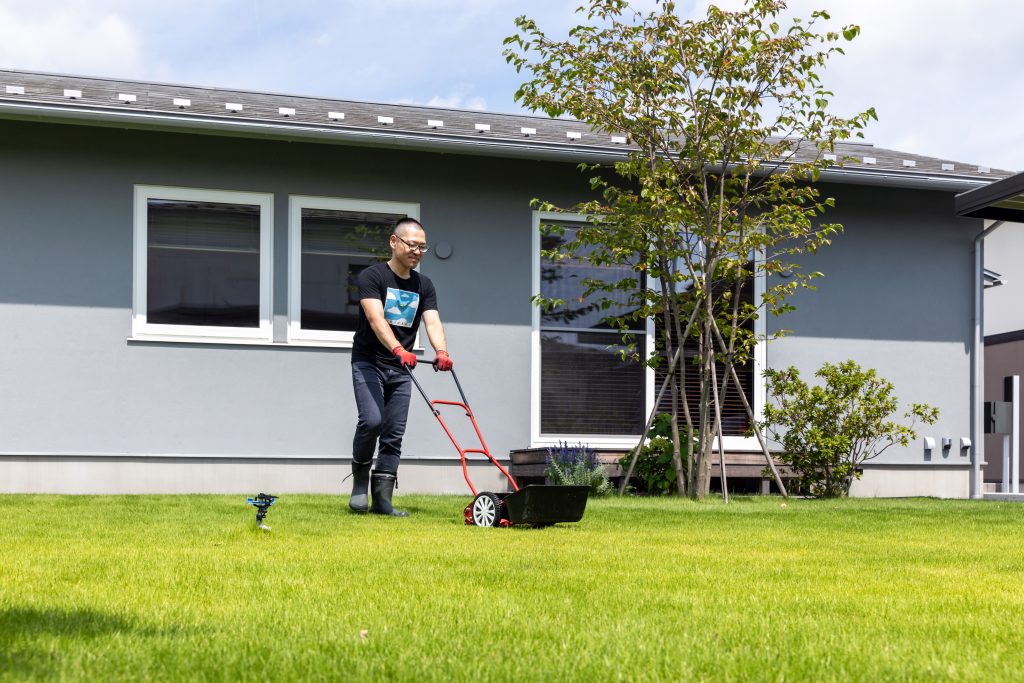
x=336 y=247
x=203 y=263
x=565 y=279
x=586 y=386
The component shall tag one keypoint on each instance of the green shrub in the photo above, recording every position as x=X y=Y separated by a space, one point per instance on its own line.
x=576 y=466
x=654 y=471
x=828 y=431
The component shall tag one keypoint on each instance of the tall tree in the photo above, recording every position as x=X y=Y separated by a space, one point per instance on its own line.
x=730 y=124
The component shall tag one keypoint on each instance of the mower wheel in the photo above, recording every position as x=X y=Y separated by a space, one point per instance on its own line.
x=486 y=509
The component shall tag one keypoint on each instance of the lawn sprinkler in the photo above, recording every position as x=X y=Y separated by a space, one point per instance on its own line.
x=262 y=503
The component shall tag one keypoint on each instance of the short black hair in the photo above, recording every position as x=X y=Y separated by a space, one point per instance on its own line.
x=405 y=221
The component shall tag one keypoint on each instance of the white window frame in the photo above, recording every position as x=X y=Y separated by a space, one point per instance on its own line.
x=539 y=440
x=141 y=328
x=296 y=203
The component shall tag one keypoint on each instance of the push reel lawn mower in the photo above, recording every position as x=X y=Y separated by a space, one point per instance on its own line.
x=534 y=505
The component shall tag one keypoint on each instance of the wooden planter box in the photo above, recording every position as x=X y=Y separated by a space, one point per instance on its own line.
x=528 y=466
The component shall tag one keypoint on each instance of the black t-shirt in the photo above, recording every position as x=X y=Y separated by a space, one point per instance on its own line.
x=404 y=301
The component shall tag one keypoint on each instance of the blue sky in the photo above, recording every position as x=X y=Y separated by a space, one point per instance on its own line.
x=943 y=74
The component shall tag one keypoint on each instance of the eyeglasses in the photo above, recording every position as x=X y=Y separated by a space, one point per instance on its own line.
x=422 y=248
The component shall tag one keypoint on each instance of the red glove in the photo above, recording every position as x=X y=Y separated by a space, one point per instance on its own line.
x=405 y=357
x=443 y=362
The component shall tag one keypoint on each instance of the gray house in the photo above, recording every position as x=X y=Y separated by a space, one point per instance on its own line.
x=175 y=270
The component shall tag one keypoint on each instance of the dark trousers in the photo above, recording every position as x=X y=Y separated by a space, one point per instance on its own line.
x=382 y=398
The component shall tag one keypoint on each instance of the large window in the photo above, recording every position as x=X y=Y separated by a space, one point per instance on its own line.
x=202 y=264
x=331 y=241
x=583 y=388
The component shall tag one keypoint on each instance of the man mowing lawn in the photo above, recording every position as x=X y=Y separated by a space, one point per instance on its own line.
x=393 y=299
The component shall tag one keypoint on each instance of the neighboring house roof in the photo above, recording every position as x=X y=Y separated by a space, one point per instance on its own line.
x=1001 y=201
x=161 y=106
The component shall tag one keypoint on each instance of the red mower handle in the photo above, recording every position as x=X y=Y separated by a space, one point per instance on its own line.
x=424 y=394
x=483 y=450
x=422 y=362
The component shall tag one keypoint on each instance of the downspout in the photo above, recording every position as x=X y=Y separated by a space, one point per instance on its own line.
x=978 y=362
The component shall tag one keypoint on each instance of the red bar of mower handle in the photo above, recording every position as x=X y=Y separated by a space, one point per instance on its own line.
x=469 y=413
x=424 y=394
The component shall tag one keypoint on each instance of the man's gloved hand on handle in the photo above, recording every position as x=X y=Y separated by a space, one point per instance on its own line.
x=407 y=358
x=443 y=362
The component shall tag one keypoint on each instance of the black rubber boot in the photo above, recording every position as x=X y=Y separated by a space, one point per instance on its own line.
x=359 y=502
x=382 y=485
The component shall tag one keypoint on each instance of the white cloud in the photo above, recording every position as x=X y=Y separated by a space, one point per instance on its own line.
x=942 y=75
x=70 y=39
x=458 y=102
x=459 y=97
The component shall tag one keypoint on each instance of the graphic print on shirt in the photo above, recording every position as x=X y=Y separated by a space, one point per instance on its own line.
x=400 y=307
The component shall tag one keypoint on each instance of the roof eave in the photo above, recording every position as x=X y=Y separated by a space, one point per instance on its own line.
x=983 y=203
x=914 y=181
x=211 y=125
x=457 y=144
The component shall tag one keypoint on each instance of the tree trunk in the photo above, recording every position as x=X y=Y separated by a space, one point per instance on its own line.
x=676 y=362
x=650 y=421
x=677 y=461
x=691 y=457
x=703 y=486
x=723 y=478
x=681 y=336
x=757 y=429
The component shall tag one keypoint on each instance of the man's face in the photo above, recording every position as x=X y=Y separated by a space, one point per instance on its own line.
x=405 y=245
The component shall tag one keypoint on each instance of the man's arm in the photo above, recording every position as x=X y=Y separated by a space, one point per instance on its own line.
x=374 y=311
x=435 y=330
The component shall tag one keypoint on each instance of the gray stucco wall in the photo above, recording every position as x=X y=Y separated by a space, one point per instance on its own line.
x=74 y=384
x=896 y=297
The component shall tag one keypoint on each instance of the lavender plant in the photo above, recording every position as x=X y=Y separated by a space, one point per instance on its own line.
x=576 y=466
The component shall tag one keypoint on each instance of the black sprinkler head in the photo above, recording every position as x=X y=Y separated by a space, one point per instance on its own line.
x=262 y=503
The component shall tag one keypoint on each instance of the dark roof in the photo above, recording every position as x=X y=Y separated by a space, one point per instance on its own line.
x=1000 y=201
x=106 y=101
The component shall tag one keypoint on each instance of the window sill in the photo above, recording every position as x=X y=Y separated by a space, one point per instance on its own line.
x=182 y=339
x=241 y=341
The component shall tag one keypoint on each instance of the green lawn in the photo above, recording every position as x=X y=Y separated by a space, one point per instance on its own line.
x=184 y=587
